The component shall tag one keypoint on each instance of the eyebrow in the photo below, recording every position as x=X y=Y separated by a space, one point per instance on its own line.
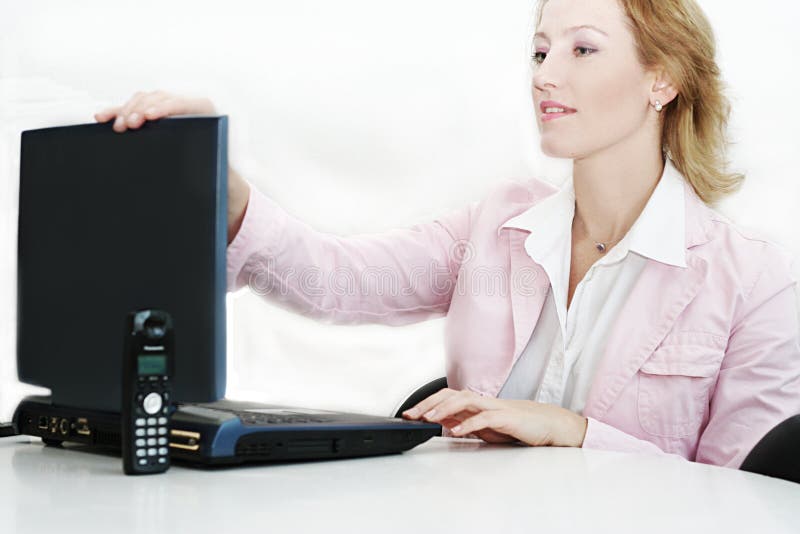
x=572 y=29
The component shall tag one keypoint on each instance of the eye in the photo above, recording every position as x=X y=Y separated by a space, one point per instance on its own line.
x=538 y=61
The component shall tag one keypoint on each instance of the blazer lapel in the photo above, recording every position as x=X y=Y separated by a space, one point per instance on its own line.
x=528 y=283
x=658 y=297
x=528 y=288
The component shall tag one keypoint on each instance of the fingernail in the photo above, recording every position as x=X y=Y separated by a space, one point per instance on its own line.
x=456 y=428
x=430 y=414
x=118 y=123
x=150 y=111
x=132 y=118
x=412 y=412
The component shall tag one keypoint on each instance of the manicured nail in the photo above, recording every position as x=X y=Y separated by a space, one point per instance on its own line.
x=150 y=111
x=456 y=429
x=132 y=118
x=412 y=412
x=430 y=414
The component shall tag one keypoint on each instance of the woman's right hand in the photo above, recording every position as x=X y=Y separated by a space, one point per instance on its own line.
x=154 y=105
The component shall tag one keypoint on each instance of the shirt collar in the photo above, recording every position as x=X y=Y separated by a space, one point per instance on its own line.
x=658 y=233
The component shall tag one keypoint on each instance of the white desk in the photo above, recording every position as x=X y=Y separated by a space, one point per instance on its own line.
x=445 y=485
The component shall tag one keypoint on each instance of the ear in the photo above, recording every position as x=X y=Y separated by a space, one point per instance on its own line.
x=662 y=88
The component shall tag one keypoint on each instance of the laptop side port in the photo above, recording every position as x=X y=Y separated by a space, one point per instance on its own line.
x=82 y=427
x=63 y=426
x=42 y=423
x=184 y=439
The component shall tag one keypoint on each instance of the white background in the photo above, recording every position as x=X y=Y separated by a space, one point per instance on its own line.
x=356 y=116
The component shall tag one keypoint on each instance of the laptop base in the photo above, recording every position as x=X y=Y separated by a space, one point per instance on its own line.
x=229 y=432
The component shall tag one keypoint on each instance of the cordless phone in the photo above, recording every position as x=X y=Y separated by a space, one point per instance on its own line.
x=147 y=369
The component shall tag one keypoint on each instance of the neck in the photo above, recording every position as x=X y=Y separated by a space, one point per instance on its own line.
x=612 y=189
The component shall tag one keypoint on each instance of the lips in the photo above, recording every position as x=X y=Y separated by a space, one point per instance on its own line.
x=553 y=104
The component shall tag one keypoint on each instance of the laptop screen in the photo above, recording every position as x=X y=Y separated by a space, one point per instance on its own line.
x=110 y=223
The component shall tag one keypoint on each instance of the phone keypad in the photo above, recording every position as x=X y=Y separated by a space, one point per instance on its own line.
x=154 y=446
x=150 y=428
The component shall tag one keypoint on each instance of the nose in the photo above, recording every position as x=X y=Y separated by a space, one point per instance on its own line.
x=547 y=75
x=543 y=80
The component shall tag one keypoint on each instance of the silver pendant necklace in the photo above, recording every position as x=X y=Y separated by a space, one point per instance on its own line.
x=601 y=247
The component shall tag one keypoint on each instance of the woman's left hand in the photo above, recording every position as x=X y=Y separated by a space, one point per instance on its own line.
x=501 y=420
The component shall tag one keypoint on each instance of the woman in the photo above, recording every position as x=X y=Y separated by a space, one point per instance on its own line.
x=620 y=312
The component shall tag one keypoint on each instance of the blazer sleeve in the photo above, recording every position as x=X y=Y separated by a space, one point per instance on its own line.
x=395 y=277
x=600 y=435
x=759 y=382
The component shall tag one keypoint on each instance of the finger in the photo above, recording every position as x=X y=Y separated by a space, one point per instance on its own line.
x=494 y=419
x=465 y=400
x=120 y=124
x=107 y=114
x=154 y=108
x=428 y=403
x=146 y=108
x=130 y=112
x=455 y=419
x=450 y=422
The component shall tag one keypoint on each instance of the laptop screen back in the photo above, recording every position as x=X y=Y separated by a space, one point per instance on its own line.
x=110 y=223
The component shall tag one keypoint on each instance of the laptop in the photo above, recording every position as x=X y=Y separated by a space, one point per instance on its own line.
x=110 y=223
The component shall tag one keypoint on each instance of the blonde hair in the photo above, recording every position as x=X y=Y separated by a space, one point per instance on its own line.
x=694 y=128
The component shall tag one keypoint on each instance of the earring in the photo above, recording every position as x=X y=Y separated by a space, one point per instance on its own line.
x=659 y=107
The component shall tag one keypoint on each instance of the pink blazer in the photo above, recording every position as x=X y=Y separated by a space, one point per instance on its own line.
x=701 y=363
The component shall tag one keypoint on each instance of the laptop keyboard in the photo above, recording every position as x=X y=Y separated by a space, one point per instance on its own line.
x=255 y=418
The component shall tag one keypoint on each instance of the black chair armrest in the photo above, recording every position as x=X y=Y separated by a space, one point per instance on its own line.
x=777 y=454
x=422 y=393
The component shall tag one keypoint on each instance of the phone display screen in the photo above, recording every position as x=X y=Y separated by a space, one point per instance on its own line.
x=152 y=364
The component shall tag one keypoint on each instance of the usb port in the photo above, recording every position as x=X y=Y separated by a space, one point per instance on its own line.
x=43 y=422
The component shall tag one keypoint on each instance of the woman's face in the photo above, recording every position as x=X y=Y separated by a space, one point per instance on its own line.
x=593 y=71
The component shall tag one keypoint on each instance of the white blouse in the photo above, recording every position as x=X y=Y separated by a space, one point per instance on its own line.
x=550 y=370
